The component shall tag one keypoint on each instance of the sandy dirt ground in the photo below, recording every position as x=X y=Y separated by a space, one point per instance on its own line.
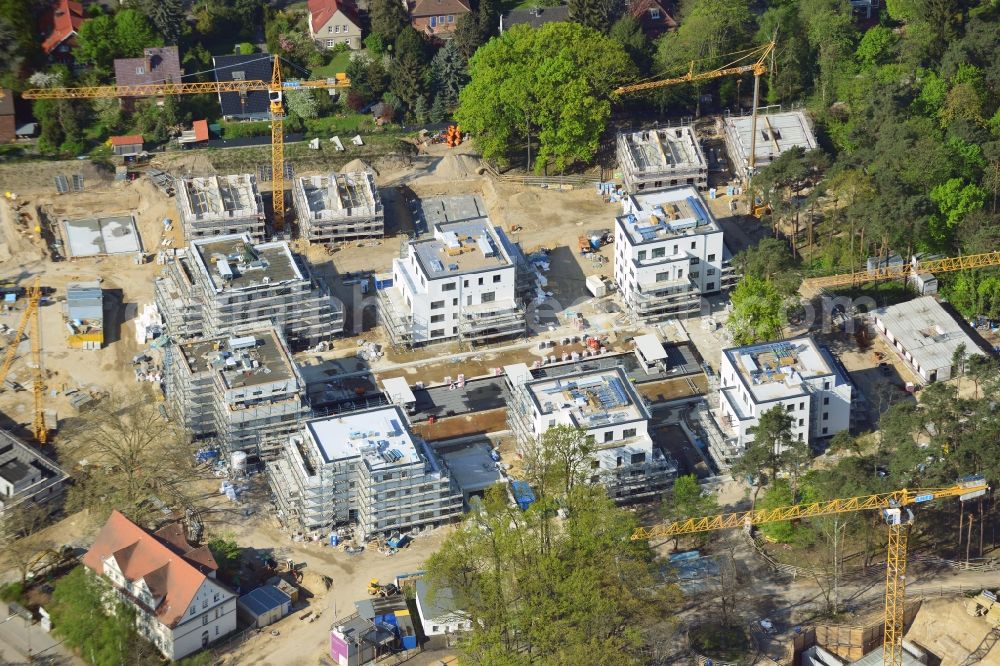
x=943 y=627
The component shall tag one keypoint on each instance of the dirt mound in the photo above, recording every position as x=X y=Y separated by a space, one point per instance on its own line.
x=945 y=628
x=457 y=167
x=358 y=165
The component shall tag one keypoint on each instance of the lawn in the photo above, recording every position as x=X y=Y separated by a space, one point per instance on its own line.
x=337 y=65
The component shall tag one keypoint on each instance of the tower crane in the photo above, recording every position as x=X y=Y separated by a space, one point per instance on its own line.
x=902 y=271
x=740 y=65
x=276 y=88
x=896 y=512
x=30 y=313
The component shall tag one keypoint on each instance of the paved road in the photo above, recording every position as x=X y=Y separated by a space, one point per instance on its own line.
x=18 y=640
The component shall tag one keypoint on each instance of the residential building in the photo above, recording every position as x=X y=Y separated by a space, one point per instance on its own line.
x=333 y=22
x=657 y=159
x=797 y=375
x=245 y=391
x=439 y=614
x=339 y=207
x=535 y=17
x=8 y=121
x=669 y=253
x=126 y=146
x=28 y=476
x=652 y=16
x=460 y=284
x=437 y=18
x=58 y=27
x=157 y=65
x=249 y=105
x=605 y=404
x=220 y=205
x=179 y=605
x=364 y=469
x=776 y=133
x=925 y=337
x=223 y=285
x=85 y=315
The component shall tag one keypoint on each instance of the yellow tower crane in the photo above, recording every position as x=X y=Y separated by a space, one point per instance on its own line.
x=903 y=271
x=34 y=297
x=276 y=88
x=895 y=509
x=739 y=65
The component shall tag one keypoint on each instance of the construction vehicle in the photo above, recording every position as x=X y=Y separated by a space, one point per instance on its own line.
x=276 y=88
x=34 y=296
x=737 y=66
x=985 y=605
x=375 y=588
x=904 y=271
x=895 y=508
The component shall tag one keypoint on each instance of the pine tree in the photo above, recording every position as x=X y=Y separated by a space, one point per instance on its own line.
x=388 y=19
x=448 y=74
x=596 y=14
x=167 y=17
x=489 y=19
x=467 y=36
x=420 y=109
x=439 y=112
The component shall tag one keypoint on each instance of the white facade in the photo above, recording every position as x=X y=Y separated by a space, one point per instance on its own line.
x=459 y=284
x=669 y=251
x=796 y=375
x=924 y=336
x=438 y=613
x=607 y=406
x=364 y=469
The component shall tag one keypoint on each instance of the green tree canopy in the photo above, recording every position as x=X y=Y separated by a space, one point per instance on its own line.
x=757 y=312
x=551 y=84
x=106 y=37
x=388 y=18
x=540 y=590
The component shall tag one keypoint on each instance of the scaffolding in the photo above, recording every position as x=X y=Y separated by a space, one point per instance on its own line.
x=221 y=205
x=338 y=208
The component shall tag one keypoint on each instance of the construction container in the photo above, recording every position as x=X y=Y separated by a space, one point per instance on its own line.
x=596 y=286
x=524 y=496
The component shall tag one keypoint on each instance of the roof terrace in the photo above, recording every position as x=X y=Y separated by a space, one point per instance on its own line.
x=672 y=213
x=461 y=247
x=777 y=370
x=249 y=360
x=591 y=399
x=379 y=436
x=233 y=262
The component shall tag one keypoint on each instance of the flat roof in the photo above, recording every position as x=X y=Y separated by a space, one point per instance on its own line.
x=459 y=248
x=264 y=599
x=593 y=398
x=380 y=436
x=96 y=236
x=13 y=471
x=208 y=197
x=85 y=301
x=657 y=150
x=248 y=265
x=650 y=347
x=776 y=133
x=671 y=213
x=337 y=195
x=927 y=331
x=876 y=656
x=518 y=373
x=776 y=370
x=248 y=360
x=441 y=210
x=398 y=390
x=472 y=467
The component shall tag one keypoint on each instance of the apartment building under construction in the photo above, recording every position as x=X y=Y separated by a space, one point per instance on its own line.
x=245 y=391
x=365 y=470
x=656 y=159
x=339 y=207
x=220 y=205
x=224 y=285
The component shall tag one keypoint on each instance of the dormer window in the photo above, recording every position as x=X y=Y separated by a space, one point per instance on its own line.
x=140 y=70
x=654 y=13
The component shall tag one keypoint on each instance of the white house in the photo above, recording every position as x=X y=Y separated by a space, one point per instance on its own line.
x=438 y=612
x=669 y=251
x=459 y=284
x=607 y=406
x=796 y=375
x=179 y=605
x=333 y=22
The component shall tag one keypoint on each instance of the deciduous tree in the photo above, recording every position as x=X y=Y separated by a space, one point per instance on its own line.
x=757 y=312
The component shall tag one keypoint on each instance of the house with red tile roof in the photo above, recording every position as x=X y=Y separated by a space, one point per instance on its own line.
x=58 y=26
x=170 y=583
x=333 y=22
x=652 y=16
x=437 y=18
x=126 y=146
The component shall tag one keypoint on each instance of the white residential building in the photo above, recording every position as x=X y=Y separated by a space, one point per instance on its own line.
x=796 y=375
x=461 y=283
x=669 y=252
x=179 y=605
x=925 y=336
x=365 y=469
x=607 y=406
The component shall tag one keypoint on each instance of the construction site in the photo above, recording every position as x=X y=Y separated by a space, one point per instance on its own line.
x=357 y=391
